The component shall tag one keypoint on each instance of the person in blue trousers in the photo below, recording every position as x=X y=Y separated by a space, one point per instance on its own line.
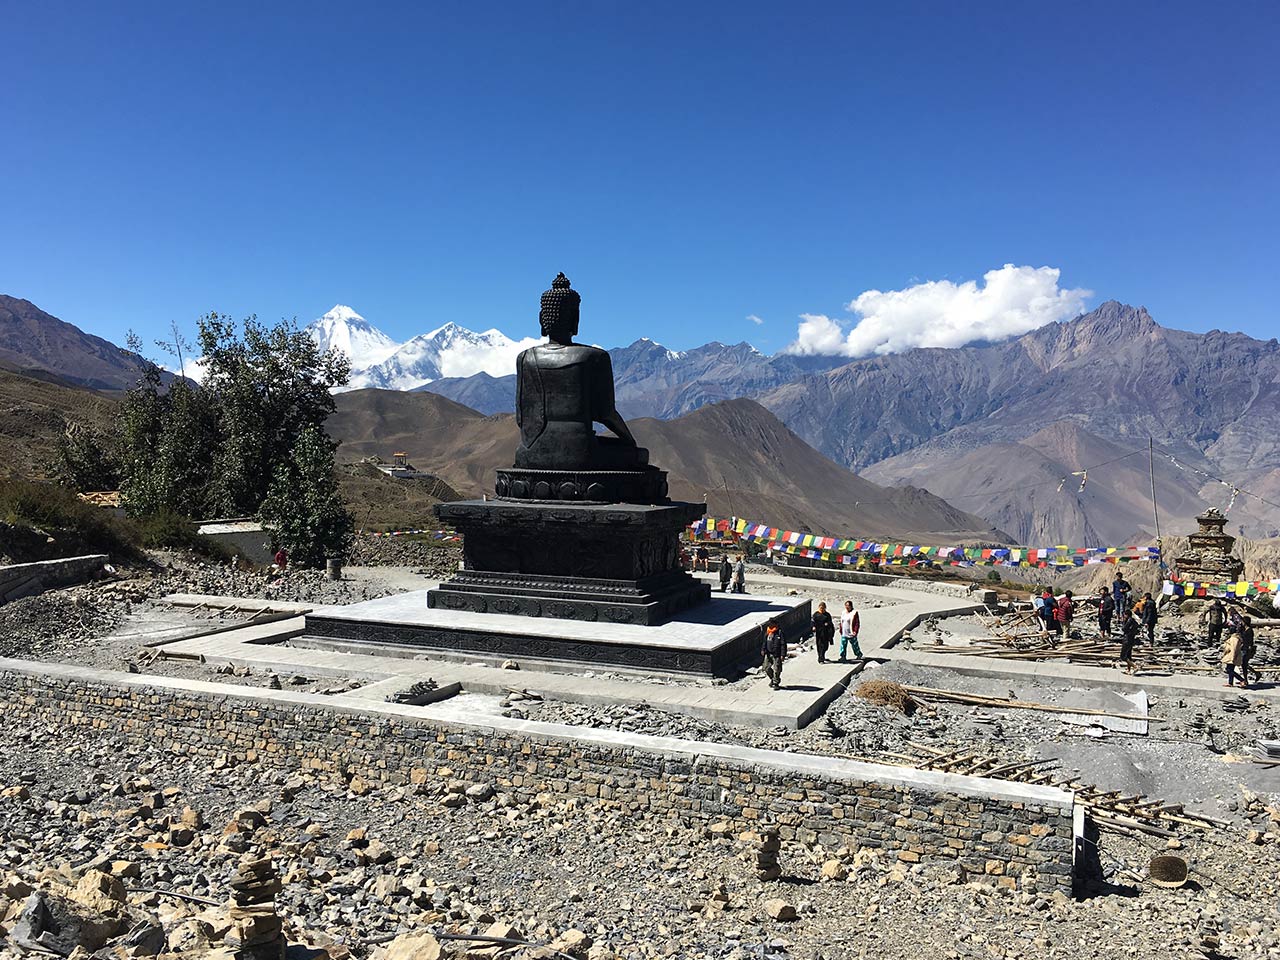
x=849 y=626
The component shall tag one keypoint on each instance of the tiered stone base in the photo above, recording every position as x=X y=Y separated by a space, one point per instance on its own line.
x=718 y=638
x=597 y=486
x=612 y=563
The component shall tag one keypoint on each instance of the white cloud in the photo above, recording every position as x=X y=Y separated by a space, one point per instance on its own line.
x=754 y=319
x=939 y=313
x=192 y=369
x=494 y=355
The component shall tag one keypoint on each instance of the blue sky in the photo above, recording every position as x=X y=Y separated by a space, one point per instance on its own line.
x=688 y=165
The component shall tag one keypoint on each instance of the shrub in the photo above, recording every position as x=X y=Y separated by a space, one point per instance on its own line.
x=56 y=509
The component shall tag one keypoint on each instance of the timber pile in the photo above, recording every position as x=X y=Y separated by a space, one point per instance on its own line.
x=978 y=700
x=1021 y=636
x=1111 y=810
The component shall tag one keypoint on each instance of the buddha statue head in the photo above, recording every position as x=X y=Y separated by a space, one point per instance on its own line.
x=558 y=317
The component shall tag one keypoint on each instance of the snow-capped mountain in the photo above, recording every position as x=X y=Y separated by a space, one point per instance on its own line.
x=345 y=330
x=448 y=351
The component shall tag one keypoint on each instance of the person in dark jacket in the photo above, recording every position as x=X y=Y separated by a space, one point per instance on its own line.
x=1120 y=591
x=1048 y=604
x=726 y=573
x=774 y=647
x=1149 y=617
x=1129 y=629
x=1216 y=618
x=824 y=631
x=1248 y=647
x=1106 y=609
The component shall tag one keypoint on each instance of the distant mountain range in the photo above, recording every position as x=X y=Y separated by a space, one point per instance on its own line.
x=997 y=426
x=736 y=456
x=994 y=428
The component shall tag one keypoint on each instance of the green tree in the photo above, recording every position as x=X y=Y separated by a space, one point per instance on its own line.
x=250 y=432
x=303 y=506
x=86 y=460
x=167 y=440
x=265 y=386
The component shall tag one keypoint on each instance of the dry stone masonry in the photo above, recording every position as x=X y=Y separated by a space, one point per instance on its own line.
x=1002 y=831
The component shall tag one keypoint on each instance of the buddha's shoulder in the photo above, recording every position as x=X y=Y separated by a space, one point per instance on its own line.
x=563 y=355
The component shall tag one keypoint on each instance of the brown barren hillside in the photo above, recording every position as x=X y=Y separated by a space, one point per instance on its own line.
x=736 y=454
x=35 y=412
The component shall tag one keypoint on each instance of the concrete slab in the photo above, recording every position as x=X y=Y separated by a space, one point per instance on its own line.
x=1168 y=684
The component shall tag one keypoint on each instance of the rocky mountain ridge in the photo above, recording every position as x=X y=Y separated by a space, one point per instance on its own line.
x=35 y=342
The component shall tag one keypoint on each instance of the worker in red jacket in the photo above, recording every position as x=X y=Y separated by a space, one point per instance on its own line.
x=1063 y=613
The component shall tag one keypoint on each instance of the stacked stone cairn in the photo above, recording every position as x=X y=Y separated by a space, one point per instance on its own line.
x=767 y=847
x=256 y=930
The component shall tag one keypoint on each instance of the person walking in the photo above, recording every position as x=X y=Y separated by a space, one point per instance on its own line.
x=1063 y=613
x=1233 y=620
x=740 y=576
x=1120 y=591
x=1106 y=609
x=1216 y=618
x=1047 y=605
x=1129 y=630
x=850 y=624
x=824 y=631
x=726 y=573
x=1149 y=617
x=774 y=648
x=1248 y=647
x=1233 y=656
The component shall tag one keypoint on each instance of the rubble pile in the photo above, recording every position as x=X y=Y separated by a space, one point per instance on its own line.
x=45 y=626
x=437 y=559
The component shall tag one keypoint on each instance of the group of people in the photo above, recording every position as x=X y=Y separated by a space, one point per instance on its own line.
x=824 y=631
x=732 y=575
x=1118 y=607
x=773 y=644
x=1239 y=646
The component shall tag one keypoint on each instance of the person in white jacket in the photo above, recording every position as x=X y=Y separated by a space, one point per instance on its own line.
x=849 y=626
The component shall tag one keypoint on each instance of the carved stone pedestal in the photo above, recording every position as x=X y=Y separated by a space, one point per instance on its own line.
x=612 y=563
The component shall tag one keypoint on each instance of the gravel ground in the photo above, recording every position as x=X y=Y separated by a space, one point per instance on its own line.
x=454 y=857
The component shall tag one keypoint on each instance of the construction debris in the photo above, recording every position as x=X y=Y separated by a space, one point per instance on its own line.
x=1181 y=647
x=1267 y=753
x=955 y=696
x=1111 y=810
x=886 y=693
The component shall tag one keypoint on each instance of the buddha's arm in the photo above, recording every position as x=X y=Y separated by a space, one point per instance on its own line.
x=606 y=411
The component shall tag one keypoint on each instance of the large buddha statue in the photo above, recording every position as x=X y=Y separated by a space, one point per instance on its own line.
x=564 y=388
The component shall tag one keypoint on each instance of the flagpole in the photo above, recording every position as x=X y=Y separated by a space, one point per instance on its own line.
x=1151 y=455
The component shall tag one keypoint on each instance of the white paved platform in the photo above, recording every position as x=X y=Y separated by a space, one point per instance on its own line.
x=706 y=627
x=807 y=685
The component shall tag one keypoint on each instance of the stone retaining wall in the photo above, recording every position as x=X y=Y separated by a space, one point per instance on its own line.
x=998 y=829
x=27 y=579
x=935 y=587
